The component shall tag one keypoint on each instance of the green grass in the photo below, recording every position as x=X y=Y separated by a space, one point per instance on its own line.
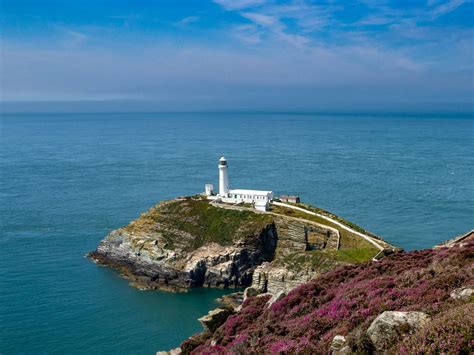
x=323 y=260
x=335 y=217
x=193 y=222
x=352 y=256
x=204 y=222
x=352 y=248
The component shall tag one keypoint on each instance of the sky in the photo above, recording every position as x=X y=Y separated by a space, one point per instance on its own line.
x=238 y=54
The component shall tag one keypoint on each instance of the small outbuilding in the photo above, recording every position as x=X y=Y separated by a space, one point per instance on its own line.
x=289 y=198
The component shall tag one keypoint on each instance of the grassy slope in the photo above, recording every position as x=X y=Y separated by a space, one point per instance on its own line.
x=197 y=218
x=353 y=249
x=193 y=222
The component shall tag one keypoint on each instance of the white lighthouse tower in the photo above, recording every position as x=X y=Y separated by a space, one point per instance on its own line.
x=223 y=178
x=259 y=199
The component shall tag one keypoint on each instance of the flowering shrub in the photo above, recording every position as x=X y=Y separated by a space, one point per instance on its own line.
x=346 y=300
x=449 y=333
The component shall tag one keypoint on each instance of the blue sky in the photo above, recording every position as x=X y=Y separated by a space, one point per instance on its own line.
x=246 y=54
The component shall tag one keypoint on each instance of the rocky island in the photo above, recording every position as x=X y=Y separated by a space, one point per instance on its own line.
x=193 y=242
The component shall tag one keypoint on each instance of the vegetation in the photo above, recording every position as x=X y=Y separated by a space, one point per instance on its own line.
x=346 y=300
x=358 y=246
x=324 y=260
x=195 y=222
x=450 y=332
x=337 y=218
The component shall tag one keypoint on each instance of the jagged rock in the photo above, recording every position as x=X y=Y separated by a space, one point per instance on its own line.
x=338 y=345
x=190 y=242
x=232 y=300
x=215 y=318
x=390 y=325
x=463 y=293
x=276 y=297
x=165 y=247
x=250 y=292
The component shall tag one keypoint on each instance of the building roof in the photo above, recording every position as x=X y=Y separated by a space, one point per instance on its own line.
x=249 y=192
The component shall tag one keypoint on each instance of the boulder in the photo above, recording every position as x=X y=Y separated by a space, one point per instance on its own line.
x=250 y=292
x=463 y=293
x=276 y=298
x=339 y=345
x=215 y=318
x=390 y=325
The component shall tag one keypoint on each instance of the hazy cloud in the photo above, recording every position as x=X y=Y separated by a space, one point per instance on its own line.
x=187 y=20
x=298 y=53
x=239 y=4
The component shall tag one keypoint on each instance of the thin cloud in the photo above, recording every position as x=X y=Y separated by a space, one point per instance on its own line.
x=239 y=4
x=187 y=20
x=248 y=34
x=445 y=8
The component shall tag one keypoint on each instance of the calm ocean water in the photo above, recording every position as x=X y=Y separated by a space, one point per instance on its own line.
x=68 y=179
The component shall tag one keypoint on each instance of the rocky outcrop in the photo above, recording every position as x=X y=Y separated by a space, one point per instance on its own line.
x=273 y=278
x=463 y=293
x=188 y=243
x=215 y=318
x=276 y=297
x=389 y=326
x=339 y=345
x=296 y=236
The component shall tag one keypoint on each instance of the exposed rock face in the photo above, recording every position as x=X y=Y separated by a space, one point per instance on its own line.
x=272 y=278
x=295 y=236
x=387 y=328
x=215 y=318
x=250 y=292
x=339 y=345
x=463 y=293
x=276 y=297
x=190 y=242
x=186 y=243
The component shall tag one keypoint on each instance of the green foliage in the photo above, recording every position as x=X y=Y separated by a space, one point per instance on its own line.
x=353 y=248
x=202 y=222
x=324 y=260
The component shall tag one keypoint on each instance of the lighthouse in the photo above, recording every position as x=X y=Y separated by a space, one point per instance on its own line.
x=223 y=177
x=259 y=199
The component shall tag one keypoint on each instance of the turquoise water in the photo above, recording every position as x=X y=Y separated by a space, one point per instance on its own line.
x=68 y=179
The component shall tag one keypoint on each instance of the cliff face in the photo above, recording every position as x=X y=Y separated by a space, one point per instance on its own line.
x=189 y=243
x=420 y=302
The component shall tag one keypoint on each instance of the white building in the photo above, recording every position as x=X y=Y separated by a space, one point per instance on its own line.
x=260 y=199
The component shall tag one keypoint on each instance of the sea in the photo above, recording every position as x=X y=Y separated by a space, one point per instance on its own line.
x=68 y=179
